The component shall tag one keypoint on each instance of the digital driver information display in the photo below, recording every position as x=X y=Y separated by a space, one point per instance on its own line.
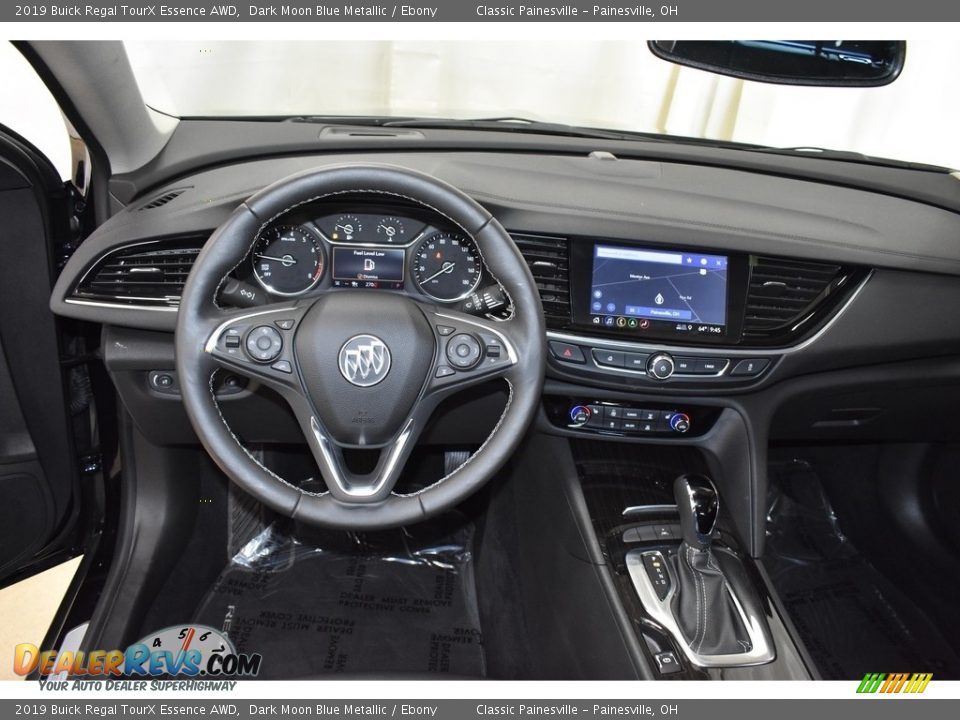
x=368 y=267
x=631 y=287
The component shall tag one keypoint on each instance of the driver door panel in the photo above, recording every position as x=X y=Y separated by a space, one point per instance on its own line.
x=38 y=473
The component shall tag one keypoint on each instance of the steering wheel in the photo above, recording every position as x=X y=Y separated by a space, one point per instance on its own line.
x=359 y=368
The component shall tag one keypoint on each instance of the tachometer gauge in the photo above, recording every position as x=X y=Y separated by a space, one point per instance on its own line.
x=346 y=228
x=287 y=259
x=391 y=230
x=447 y=266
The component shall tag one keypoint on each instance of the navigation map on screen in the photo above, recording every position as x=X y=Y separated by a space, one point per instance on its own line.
x=670 y=286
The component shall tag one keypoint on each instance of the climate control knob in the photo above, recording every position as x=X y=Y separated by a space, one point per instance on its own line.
x=680 y=422
x=661 y=366
x=579 y=415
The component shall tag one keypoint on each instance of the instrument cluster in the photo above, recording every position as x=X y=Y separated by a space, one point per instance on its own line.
x=382 y=248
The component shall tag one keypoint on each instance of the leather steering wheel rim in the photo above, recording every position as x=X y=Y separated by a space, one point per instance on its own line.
x=202 y=326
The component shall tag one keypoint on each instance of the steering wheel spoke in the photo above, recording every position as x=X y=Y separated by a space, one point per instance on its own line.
x=344 y=484
x=257 y=344
x=470 y=350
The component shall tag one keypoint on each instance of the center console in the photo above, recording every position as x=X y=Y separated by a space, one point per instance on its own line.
x=699 y=605
x=646 y=343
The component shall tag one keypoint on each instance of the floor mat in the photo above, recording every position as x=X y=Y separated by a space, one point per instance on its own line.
x=851 y=619
x=390 y=602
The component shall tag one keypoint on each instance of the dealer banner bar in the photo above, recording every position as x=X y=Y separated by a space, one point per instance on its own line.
x=487 y=709
x=471 y=11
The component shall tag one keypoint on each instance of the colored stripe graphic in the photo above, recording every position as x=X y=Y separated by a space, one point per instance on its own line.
x=894 y=683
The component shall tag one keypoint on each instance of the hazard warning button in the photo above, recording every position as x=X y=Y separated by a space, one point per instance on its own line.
x=567 y=352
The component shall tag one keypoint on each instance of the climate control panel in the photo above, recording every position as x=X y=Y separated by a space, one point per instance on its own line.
x=629 y=419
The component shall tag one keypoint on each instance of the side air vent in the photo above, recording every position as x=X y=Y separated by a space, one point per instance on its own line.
x=784 y=293
x=162 y=200
x=152 y=273
x=549 y=261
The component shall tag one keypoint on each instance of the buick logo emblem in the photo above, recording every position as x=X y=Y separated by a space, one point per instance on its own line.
x=364 y=360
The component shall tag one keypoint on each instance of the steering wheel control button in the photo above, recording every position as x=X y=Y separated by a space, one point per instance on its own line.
x=608 y=358
x=283 y=366
x=680 y=422
x=750 y=367
x=444 y=371
x=661 y=366
x=231 y=341
x=264 y=343
x=464 y=351
x=567 y=352
x=445 y=330
x=286 y=324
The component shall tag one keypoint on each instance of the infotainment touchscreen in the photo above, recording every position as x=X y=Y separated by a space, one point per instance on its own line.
x=368 y=267
x=675 y=291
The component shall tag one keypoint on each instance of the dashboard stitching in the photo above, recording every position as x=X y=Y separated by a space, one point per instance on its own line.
x=259 y=464
x=474 y=455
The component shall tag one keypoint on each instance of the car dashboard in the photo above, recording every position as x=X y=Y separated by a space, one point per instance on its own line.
x=758 y=279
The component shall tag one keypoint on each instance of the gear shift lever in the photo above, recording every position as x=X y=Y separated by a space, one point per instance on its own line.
x=699 y=593
x=702 y=604
x=699 y=505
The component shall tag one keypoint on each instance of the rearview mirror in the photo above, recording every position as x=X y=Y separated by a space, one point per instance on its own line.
x=857 y=63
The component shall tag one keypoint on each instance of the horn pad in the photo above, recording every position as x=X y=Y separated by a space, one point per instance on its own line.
x=364 y=357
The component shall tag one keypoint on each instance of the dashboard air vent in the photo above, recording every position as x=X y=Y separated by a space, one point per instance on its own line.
x=784 y=292
x=163 y=199
x=549 y=261
x=151 y=273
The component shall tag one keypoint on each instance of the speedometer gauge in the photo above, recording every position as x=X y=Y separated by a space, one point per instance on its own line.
x=287 y=259
x=447 y=266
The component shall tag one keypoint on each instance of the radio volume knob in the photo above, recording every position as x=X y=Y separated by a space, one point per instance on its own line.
x=661 y=366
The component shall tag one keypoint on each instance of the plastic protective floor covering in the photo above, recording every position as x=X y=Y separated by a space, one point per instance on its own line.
x=385 y=603
x=851 y=619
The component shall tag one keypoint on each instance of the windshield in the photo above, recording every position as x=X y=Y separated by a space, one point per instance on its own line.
x=603 y=84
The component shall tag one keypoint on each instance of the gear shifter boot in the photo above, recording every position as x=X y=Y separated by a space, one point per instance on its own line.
x=703 y=607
